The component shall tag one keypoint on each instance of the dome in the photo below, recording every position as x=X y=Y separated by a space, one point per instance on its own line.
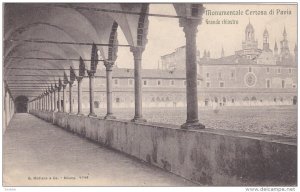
x=249 y=27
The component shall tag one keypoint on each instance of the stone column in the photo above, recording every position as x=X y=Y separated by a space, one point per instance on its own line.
x=64 y=99
x=109 y=114
x=79 y=80
x=91 y=81
x=43 y=103
x=137 y=54
x=190 y=30
x=40 y=103
x=70 y=98
x=51 y=100
x=55 y=101
x=47 y=101
x=6 y=107
x=58 y=99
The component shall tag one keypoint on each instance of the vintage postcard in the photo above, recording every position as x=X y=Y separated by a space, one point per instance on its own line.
x=150 y=94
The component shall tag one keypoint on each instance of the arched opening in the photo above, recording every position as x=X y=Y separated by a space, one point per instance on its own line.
x=21 y=103
x=295 y=100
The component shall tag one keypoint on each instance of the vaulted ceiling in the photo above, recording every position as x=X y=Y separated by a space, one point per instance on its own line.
x=73 y=23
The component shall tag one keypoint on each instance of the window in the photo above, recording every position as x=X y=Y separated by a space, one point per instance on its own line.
x=221 y=84
x=232 y=74
x=268 y=83
x=268 y=70
x=282 y=84
x=117 y=100
x=184 y=82
x=278 y=70
x=130 y=81
x=250 y=69
x=220 y=75
x=116 y=81
x=294 y=86
x=198 y=82
x=232 y=100
x=207 y=84
x=145 y=82
x=172 y=82
x=158 y=82
x=290 y=70
x=207 y=75
x=96 y=104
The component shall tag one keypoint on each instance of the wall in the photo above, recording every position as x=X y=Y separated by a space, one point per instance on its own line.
x=208 y=157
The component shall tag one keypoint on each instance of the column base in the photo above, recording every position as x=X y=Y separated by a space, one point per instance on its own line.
x=109 y=116
x=79 y=114
x=138 y=120
x=92 y=115
x=192 y=125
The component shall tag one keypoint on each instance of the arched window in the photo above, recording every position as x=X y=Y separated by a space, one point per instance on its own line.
x=253 y=98
x=246 y=99
x=224 y=100
x=206 y=101
x=96 y=104
x=216 y=99
x=282 y=84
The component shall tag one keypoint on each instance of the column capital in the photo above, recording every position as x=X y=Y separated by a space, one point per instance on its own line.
x=109 y=65
x=137 y=52
x=90 y=73
x=189 y=26
x=79 y=79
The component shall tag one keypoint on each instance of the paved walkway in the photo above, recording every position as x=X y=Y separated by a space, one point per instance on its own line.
x=37 y=153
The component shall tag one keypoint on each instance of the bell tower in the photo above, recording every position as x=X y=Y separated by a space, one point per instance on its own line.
x=266 y=41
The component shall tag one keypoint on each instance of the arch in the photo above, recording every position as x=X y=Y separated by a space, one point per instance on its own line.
x=21 y=104
x=216 y=99
x=295 y=100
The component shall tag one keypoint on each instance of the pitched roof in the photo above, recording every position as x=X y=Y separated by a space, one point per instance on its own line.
x=146 y=73
x=232 y=59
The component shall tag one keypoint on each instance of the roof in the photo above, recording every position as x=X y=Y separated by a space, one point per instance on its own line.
x=249 y=27
x=232 y=59
x=146 y=73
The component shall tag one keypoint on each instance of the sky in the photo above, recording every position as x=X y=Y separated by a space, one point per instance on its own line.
x=165 y=35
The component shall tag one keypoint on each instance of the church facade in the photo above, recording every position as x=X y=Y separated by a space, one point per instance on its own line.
x=250 y=77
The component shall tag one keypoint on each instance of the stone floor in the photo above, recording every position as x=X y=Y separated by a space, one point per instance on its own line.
x=37 y=153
